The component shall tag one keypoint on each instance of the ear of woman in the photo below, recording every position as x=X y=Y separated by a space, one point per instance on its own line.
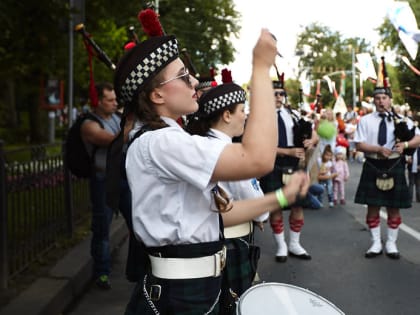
x=227 y=116
x=156 y=97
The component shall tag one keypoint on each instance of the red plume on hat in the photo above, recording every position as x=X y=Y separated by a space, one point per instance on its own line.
x=213 y=74
x=149 y=19
x=382 y=84
x=385 y=74
x=281 y=79
x=226 y=76
x=279 y=83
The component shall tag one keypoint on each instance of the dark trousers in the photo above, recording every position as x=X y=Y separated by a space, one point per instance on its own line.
x=100 y=227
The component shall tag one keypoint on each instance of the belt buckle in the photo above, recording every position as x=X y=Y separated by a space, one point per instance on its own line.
x=155 y=291
x=223 y=257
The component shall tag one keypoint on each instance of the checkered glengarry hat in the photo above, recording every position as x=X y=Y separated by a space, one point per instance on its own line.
x=205 y=82
x=141 y=64
x=221 y=96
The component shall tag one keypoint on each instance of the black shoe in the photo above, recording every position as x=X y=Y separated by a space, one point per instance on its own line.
x=103 y=282
x=281 y=259
x=372 y=254
x=393 y=255
x=304 y=256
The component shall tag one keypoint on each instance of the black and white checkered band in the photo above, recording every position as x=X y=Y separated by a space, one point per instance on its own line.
x=203 y=85
x=381 y=90
x=151 y=64
x=225 y=100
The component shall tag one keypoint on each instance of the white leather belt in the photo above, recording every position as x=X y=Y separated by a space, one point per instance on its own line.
x=239 y=230
x=375 y=156
x=189 y=268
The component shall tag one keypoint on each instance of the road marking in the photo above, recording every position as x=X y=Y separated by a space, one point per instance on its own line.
x=404 y=227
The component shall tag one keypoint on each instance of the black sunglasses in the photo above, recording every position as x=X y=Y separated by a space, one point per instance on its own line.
x=280 y=93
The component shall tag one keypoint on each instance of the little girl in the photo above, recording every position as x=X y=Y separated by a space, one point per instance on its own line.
x=326 y=174
x=342 y=169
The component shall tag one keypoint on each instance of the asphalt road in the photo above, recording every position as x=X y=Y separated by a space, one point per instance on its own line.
x=337 y=239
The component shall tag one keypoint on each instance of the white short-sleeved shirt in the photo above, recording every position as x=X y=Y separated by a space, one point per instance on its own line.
x=241 y=189
x=368 y=128
x=169 y=174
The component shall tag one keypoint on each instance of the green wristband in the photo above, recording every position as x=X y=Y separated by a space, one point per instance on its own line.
x=281 y=199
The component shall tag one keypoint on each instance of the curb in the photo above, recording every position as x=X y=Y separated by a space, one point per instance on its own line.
x=65 y=282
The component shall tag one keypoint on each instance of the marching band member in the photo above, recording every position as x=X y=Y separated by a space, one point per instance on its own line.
x=382 y=182
x=173 y=176
x=223 y=123
x=289 y=153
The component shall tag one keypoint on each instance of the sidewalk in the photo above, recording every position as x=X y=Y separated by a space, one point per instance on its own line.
x=65 y=282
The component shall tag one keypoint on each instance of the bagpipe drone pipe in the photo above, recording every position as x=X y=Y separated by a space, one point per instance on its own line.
x=302 y=128
x=402 y=132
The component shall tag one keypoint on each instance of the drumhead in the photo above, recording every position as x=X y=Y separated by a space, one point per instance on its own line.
x=273 y=298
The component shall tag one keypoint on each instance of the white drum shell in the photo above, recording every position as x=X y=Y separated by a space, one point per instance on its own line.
x=273 y=298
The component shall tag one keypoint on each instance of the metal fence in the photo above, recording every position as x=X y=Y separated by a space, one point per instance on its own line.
x=40 y=204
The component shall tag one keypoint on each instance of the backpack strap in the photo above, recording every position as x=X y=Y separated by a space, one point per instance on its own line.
x=138 y=133
x=93 y=117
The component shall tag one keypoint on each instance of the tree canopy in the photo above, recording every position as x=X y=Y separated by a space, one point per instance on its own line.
x=34 y=45
x=325 y=52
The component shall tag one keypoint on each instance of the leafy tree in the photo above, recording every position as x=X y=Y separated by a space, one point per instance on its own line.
x=34 y=44
x=324 y=52
x=402 y=77
x=202 y=27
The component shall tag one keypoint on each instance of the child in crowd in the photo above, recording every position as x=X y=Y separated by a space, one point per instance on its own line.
x=326 y=174
x=349 y=132
x=341 y=168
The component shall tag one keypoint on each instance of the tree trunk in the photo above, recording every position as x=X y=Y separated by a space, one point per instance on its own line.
x=10 y=106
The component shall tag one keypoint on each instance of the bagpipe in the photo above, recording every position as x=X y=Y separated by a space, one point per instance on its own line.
x=302 y=128
x=91 y=45
x=402 y=131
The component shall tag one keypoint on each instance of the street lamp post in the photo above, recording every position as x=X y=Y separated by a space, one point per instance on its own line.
x=353 y=74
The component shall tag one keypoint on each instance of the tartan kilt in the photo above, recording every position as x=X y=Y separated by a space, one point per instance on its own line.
x=238 y=274
x=273 y=180
x=368 y=193
x=180 y=296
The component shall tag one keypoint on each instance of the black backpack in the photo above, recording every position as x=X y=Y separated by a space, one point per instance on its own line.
x=78 y=160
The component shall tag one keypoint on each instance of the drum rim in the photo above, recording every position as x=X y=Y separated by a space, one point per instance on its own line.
x=291 y=286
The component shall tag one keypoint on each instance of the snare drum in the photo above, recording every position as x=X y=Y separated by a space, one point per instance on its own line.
x=279 y=298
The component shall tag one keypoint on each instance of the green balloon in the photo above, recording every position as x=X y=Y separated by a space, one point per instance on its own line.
x=327 y=130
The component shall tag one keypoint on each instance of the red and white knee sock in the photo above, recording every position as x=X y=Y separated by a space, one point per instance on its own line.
x=277 y=226
x=373 y=223
x=294 y=242
x=392 y=234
